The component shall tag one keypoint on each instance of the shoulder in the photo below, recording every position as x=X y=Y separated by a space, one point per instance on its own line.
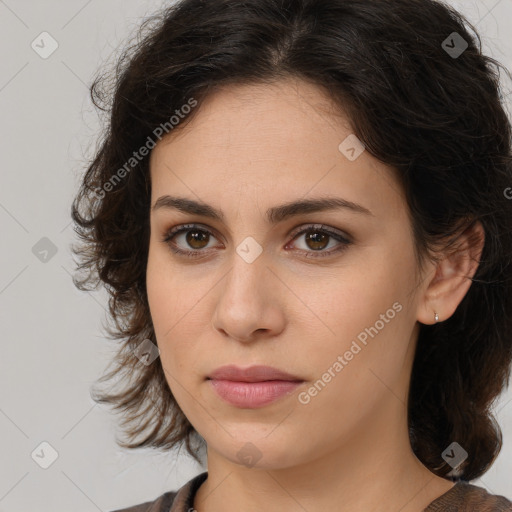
x=172 y=501
x=466 y=497
x=161 y=504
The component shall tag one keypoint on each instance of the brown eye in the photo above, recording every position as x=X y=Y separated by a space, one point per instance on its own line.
x=317 y=240
x=193 y=242
x=196 y=238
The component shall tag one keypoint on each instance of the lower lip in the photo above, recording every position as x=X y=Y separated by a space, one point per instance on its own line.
x=253 y=394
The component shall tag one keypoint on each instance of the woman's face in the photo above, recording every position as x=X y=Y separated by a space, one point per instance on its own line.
x=340 y=317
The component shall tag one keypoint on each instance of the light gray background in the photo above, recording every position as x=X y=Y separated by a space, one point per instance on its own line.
x=53 y=348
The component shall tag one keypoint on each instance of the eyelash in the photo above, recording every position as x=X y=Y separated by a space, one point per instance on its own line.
x=316 y=228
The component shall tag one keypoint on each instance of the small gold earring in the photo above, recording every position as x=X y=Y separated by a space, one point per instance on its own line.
x=436 y=316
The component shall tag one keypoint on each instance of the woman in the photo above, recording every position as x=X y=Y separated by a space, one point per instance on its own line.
x=300 y=211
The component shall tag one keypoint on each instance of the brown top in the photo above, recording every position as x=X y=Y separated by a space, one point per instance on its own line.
x=462 y=497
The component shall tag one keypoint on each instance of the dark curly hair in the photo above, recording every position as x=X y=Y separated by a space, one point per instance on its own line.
x=421 y=102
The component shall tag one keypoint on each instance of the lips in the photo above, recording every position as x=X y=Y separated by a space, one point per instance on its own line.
x=252 y=374
x=252 y=387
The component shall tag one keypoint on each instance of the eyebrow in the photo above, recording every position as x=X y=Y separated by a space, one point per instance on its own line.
x=274 y=215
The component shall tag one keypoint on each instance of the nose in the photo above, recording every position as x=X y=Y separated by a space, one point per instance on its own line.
x=250 y=302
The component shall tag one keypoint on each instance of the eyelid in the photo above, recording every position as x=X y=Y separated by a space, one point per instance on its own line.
x=186 y=227
x=321 y=227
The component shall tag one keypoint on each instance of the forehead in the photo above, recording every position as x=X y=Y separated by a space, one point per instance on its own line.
x=270 y=144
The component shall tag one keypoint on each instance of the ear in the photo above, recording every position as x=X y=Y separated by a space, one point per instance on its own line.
x=450 y=278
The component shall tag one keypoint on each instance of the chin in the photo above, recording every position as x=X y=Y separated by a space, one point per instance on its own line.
x=258 y=452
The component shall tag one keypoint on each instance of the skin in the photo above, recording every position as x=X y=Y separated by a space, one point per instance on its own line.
x=250 y=148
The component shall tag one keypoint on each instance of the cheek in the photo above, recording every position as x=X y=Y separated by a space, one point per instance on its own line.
x=177 y=354
x=364 y=316
x=164 y=300
x=177 y=314
x=158 y=287
x=167 y=290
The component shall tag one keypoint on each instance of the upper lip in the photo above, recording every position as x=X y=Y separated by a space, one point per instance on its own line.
x=252 y=374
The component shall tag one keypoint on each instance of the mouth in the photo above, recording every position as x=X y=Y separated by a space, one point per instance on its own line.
x=252 y=387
